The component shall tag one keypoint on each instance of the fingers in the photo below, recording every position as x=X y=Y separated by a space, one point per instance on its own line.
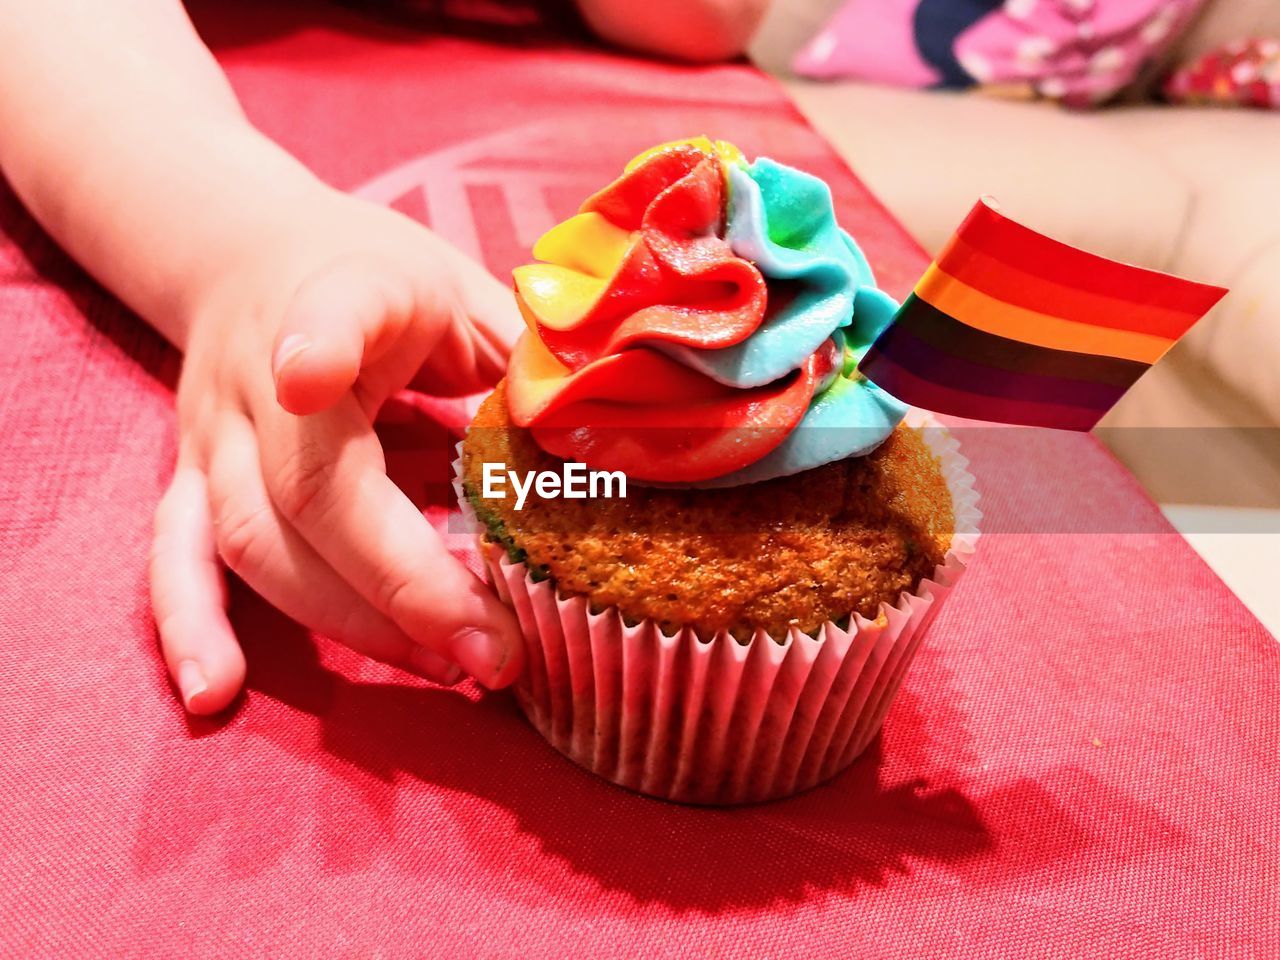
x=352 y=319
x=352 y=335
x=281 y=566
x=491 y=306
x=463 y=361
x=339 y=320
x=188 y=597
x=326 y=475
x=489 y=322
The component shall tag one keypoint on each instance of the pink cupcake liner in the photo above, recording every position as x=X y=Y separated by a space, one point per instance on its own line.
x=721 y=721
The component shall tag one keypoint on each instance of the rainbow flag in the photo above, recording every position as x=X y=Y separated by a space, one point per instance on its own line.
x=1010 y=326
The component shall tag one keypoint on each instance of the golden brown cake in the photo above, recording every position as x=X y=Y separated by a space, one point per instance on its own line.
x=804 y=549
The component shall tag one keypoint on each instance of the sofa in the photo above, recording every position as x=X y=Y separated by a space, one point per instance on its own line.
x=1190 y=190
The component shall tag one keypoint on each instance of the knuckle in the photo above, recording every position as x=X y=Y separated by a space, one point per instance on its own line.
x=162 y=589
x=189 y=405
x=170 y=505
x=188 y=400
x=349 y=625
x=174 y=625
x=171 y=518
x=161 y=519
x=302 y=483
x=391 y=593
x=195 y=401
x=244 y=536
x=162 y=550
x=401 y=301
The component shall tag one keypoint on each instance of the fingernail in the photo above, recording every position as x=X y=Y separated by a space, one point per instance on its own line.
x=191 y=681
x=435 y=667
x=480 y=654
x=289 y=348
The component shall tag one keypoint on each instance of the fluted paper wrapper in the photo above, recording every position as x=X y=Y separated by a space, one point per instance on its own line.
x=721 y=721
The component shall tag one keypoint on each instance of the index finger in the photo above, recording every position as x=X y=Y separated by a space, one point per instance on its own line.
x=326 y=474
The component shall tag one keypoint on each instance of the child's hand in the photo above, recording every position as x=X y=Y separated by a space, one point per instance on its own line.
x=279 y=472
x=300 y=311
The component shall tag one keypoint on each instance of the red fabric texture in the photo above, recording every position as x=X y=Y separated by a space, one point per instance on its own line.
x=1082 y=761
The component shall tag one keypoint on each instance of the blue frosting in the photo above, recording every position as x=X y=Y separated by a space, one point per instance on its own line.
x=820 y=287
x=850 y=418
x=782 y=220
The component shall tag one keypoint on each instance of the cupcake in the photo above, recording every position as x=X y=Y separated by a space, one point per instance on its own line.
x=723 y=544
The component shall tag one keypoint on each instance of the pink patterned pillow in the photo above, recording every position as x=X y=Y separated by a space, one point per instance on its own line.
x=1078 y=51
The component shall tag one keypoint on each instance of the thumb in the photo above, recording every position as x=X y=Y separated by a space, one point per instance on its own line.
x=339 y=320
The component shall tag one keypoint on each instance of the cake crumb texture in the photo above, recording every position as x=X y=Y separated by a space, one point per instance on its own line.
x=800 y=550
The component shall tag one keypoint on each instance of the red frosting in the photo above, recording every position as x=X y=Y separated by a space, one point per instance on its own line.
x=599 y=392
x=653 y=418
x=681 y=282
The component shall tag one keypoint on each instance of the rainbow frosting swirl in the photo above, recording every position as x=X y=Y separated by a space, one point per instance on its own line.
x=699 y=322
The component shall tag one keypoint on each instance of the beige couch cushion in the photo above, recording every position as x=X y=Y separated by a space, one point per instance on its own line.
x=930 y=155
x=1226 y=160
x=1221 y=22
x=1241 y=341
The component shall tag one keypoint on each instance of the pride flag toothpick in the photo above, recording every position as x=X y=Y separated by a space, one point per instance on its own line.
x=1010 y=326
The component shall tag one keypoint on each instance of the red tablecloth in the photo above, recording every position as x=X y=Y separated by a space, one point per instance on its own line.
x=1083 y=761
